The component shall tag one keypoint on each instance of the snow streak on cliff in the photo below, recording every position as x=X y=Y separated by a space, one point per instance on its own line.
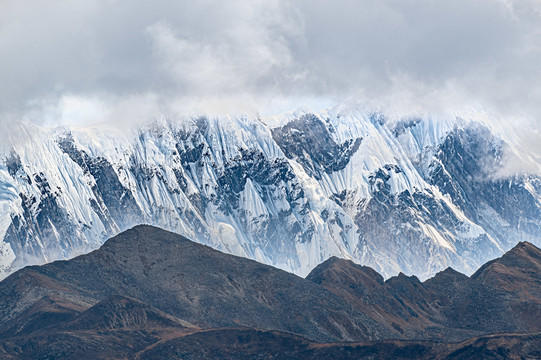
x=413 y=195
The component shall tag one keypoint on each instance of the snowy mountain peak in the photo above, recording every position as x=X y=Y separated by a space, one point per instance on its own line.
x=414 y=195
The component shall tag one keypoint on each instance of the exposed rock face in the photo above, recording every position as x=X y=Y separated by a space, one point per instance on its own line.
x=308 y=141
x=151 y=294
x=413 y=196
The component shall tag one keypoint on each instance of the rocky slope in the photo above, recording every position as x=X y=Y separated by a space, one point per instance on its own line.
x=187 y=280
x=412 y=196
x=149 y=293
x=502 y=296
x=252 y=344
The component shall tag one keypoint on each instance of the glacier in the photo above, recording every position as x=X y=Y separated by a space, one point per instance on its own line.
x=412 y=195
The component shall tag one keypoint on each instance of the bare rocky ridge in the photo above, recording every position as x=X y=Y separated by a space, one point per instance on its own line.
x=189 y=281
x=151 y=294
x=502 y=296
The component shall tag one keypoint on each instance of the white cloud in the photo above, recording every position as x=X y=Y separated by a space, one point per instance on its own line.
x=71 y=61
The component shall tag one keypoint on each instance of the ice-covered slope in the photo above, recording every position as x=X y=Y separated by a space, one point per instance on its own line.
x=413 y=195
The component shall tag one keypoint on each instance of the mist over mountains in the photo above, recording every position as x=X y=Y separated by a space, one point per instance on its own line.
x=270 y=179
x=432 y=158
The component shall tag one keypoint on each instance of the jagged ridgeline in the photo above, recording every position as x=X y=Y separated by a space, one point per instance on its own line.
x=414 y=195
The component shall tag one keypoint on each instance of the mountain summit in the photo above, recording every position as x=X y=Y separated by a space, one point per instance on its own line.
x=400 y=195
x=150 y=293
x=189 y=281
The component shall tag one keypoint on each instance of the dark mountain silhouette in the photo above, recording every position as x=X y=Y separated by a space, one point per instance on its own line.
x=502 y=296
x=514 y=271
x=150 y=294
x=189 y=281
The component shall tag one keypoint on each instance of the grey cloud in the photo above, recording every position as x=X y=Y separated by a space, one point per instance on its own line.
x=403 y=53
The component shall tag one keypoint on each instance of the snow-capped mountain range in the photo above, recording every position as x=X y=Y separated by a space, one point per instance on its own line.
x=411 y=195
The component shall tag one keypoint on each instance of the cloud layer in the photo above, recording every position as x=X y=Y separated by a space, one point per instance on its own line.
x=73 y=62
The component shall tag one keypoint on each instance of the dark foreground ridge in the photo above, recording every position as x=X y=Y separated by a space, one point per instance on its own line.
x=151 y=294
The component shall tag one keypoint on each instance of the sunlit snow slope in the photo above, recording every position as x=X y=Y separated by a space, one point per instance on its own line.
x=413 y=195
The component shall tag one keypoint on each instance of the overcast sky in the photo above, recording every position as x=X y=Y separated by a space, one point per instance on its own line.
x=68 y=61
